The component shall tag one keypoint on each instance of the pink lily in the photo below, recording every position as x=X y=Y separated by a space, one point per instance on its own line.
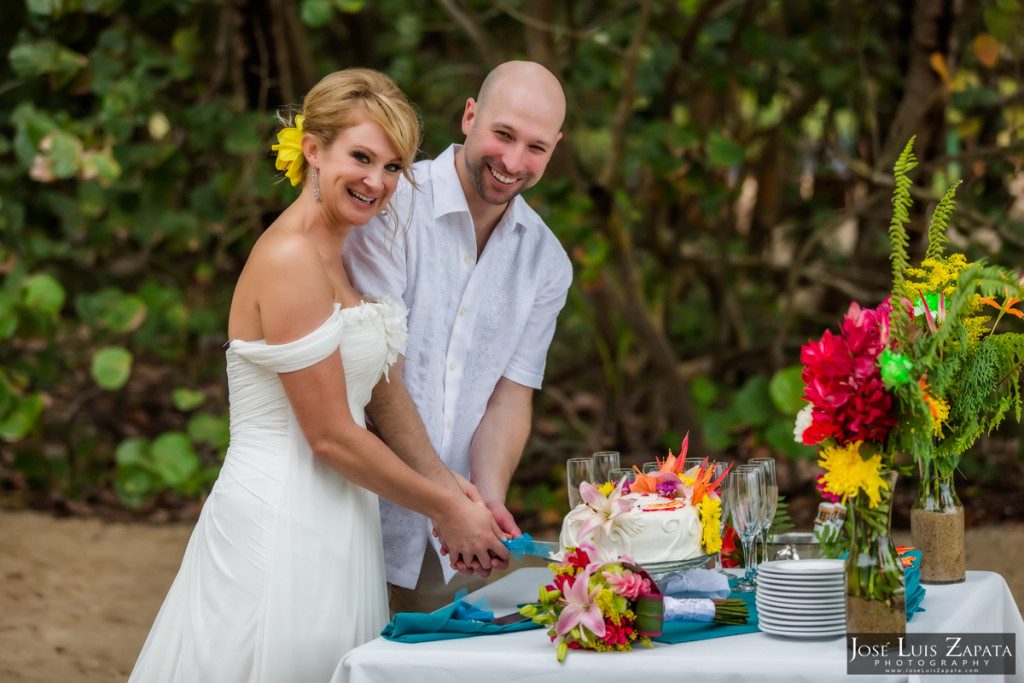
x=600 y=557
x=580 y=608
x=603 y=509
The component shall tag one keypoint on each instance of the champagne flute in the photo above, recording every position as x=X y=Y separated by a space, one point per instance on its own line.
x=771 y=498
x=625 y=475
x=690 y=463
x=577 y=470
x=604 y=463
x=746 y=506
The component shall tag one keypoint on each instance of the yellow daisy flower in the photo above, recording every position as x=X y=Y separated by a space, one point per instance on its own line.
x=289 y=151
x=711 y=524
x=847 y=473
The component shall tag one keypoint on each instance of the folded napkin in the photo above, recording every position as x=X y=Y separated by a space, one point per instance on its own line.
x=695 y=583
x=914 y=591
x=458 y=620
x=687 y=631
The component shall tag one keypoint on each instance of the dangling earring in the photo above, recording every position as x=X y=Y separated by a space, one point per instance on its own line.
x=316 y=183
x=383 y=213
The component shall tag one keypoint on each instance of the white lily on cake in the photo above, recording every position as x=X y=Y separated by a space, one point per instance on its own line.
x=606 y=511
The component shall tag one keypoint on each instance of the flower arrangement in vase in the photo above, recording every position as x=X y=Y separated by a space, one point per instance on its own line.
x=954 y=371
x=850 y=416
x=923 y=375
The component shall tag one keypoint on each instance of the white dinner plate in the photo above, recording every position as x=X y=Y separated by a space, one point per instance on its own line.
x=791 y=619
x=803 y=626
x=800 y=605
x=801 y=580
x=776 y=586
x=802 y=567
x=796 y=633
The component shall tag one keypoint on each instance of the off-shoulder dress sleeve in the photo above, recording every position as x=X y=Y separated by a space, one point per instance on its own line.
x=298 y=354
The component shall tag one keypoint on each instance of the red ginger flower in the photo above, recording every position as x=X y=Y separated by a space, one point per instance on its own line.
x=844 y=383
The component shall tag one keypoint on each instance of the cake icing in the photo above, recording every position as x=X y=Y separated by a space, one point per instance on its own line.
x=653 y=529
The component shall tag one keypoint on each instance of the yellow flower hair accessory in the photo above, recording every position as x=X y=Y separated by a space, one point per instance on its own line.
x=289 y=150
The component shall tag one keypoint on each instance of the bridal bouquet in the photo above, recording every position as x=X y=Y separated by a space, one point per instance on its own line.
x=601 y=602
x=598 y=602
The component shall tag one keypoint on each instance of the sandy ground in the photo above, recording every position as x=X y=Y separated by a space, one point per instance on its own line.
x=77 y=596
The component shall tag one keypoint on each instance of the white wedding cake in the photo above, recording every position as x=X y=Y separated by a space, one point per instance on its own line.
x=665 y=516
x=653 y=529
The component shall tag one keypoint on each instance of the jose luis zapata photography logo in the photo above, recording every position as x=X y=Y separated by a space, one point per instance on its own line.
x=932 y=653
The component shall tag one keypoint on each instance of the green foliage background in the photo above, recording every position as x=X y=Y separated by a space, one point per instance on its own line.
x=722 y=189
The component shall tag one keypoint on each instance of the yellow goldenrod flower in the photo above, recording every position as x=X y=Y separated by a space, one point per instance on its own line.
x=289 y=150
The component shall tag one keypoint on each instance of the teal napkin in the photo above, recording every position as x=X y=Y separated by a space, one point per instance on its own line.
x=458 y=620
x=685 y=631
x=914 y=591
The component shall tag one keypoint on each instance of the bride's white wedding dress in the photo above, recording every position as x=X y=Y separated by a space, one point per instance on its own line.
x=284 y=572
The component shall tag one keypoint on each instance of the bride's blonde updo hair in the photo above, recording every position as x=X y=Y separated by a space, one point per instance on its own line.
x=341 y=99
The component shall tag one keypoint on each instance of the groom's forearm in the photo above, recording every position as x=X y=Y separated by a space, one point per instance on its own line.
x=400 y=426
x=500 y=439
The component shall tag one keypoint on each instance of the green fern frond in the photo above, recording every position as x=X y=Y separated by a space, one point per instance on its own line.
x=900 y=256
x=939 y=223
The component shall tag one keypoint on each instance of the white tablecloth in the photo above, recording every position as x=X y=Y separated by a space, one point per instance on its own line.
x=982 y=604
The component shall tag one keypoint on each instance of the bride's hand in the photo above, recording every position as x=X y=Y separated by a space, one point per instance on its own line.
x=472 y=538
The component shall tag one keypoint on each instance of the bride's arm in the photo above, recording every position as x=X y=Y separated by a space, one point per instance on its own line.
x=295 y=295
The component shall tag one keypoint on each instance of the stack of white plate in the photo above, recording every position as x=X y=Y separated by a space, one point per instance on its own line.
x=801 y=598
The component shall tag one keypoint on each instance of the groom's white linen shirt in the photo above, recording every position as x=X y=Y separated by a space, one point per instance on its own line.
x=470 y=321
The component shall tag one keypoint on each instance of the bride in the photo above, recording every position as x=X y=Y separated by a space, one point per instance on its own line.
x=284 y=571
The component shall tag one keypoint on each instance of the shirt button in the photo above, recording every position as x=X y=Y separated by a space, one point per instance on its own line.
x=462 y=311
x=468 y=259
x=449 y=425
x=451 y=366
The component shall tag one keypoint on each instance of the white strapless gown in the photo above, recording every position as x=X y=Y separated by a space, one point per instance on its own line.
x=284 y=572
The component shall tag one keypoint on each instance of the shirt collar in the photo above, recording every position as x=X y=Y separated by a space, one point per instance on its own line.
x=449 y=197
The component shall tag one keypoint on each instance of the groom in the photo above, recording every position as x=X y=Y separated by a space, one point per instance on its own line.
x=484 y=280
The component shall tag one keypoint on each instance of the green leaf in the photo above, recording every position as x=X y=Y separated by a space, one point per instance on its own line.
x=30 y=60
x=64 y=153
x=787 y=390
x=19 y=422
x=717 y=427
x=8 y=316
x=315 y=13
x=350 y=6
x=210 y=429
x=187 y=399
x=45 y=7
x=174 y=460
x=134 y=451
x=111 y=367
x=703 y=391
x=126 y=314
x=134 y=485
x=724 y=152
x=779 y=437
x=44 y=294
x=752 y=403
